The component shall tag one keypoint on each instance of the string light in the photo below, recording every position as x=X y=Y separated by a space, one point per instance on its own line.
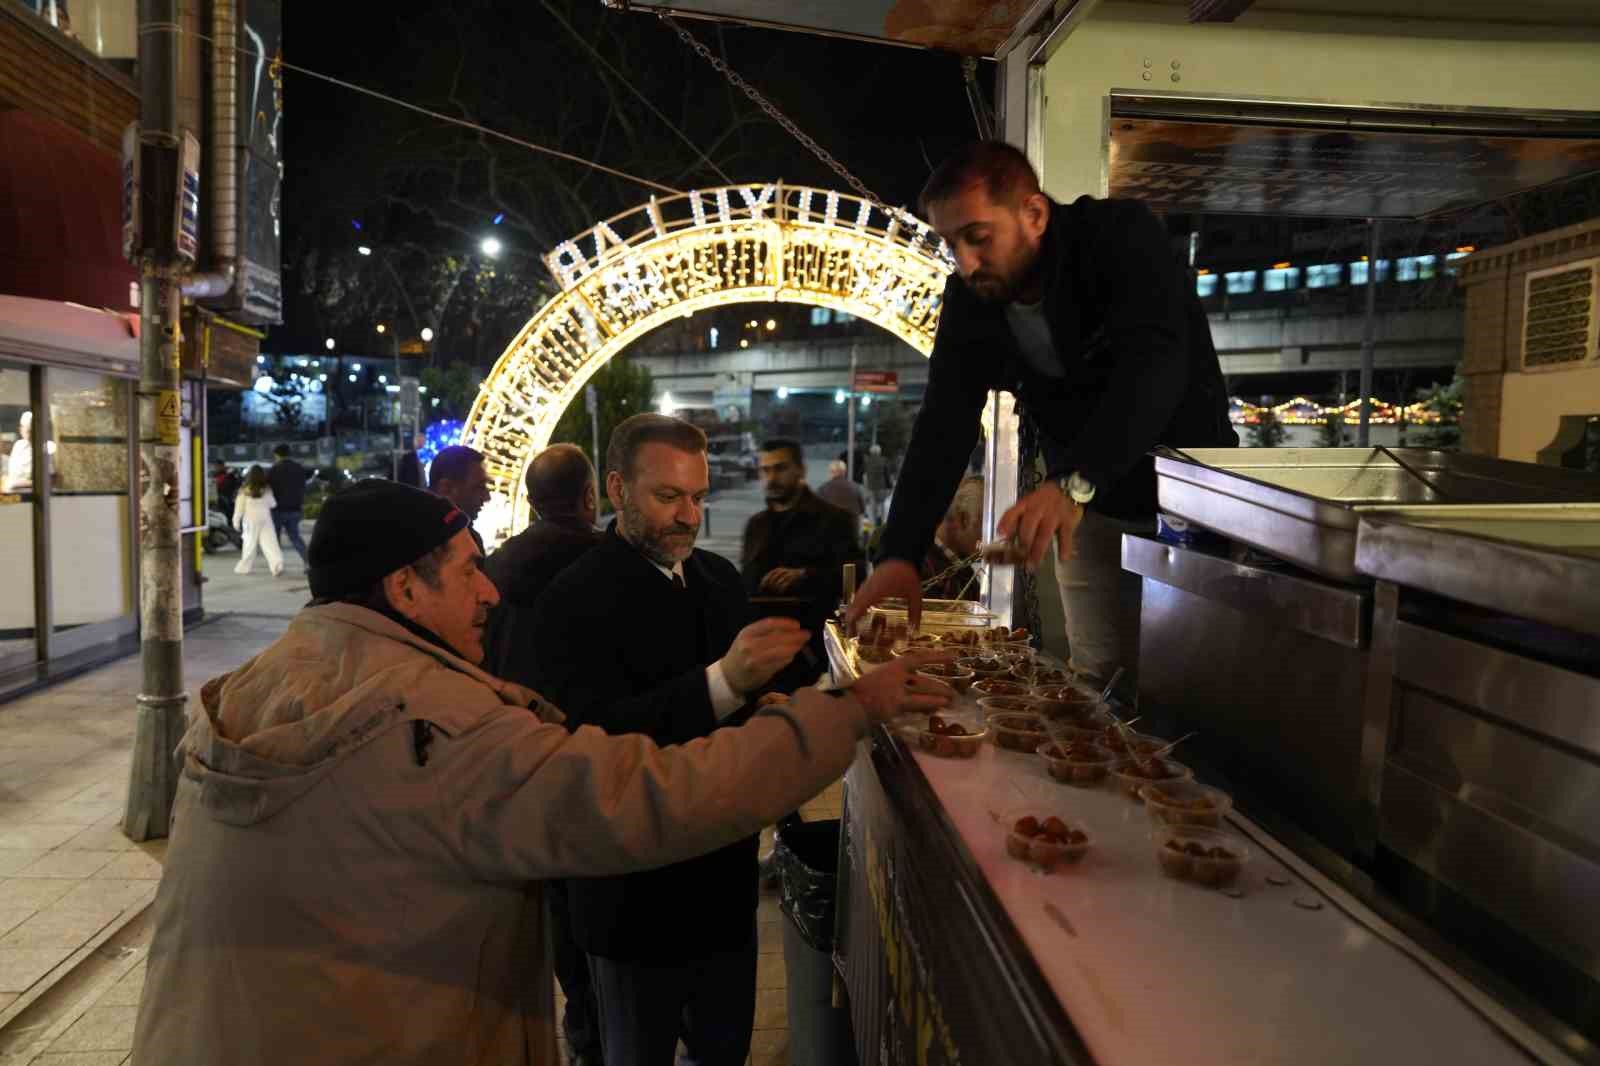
x=671 y=257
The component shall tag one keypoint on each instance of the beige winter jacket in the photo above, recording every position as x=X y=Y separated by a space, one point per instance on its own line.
x=328 y=900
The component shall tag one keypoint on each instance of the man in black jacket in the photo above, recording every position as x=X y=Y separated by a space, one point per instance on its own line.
x=796 y=549
x=287 y=479
x=1082 y=312
x=562 y=491
x=564 y=495
x=643 y=635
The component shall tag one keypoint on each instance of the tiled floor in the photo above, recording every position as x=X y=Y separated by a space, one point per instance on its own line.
x=69 y=878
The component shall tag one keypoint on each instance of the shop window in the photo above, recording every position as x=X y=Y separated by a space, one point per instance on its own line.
x=1322 y=275
x=1240 y=281
x=1205 y=285
x=1415 y=268
x=108 y=28
x=90 y=550
x=1358 y=272
x=1280 y=279
x=17 y=640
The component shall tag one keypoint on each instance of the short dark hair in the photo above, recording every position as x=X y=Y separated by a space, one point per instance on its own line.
x=453 y=464
x=1005 y=172
x=634 y=433
x=557 y=479
x=784 y=444
x=281 y=451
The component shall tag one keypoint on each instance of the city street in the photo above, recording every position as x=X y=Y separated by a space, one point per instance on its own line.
x=74 y=892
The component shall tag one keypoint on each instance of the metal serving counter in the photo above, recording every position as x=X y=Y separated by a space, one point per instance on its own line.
x=954 y=952
x=1411 y=681
x=1303 y=505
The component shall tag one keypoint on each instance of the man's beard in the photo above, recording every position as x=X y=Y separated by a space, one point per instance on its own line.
x=783 y=495
x=993 y=288
x=651 y=540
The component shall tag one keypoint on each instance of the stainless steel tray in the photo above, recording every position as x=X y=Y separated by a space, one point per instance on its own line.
x=1303 y=505
x=937 y=614
x=1538 y=561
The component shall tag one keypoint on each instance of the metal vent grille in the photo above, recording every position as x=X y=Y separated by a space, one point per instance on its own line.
x=1559 y=324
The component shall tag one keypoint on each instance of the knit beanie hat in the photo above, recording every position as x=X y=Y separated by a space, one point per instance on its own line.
x=372 y=529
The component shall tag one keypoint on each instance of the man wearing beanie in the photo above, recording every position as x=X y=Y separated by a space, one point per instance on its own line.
x=365 y=818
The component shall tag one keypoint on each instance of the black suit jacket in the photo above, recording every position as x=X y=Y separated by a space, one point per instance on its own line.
x=819 y=538
x=620 y=647
x=1141 y=370
x=521 y=569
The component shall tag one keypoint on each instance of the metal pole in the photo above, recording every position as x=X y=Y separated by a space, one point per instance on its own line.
x=153 y=778
x=850 y=413
x=1369 y=335
x=399 y=408
x=592 y=399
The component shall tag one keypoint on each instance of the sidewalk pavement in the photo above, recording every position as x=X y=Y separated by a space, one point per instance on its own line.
x=74 y=890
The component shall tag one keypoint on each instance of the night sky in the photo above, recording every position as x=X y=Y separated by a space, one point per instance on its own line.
x=881 y=110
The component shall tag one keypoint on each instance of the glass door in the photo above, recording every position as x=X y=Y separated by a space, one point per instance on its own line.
x=91 y=510
x=19 y=638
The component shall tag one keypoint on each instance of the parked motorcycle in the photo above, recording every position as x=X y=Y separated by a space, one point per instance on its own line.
x=220 y=532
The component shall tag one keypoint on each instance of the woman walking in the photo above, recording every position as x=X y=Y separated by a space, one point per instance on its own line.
x=252 y=515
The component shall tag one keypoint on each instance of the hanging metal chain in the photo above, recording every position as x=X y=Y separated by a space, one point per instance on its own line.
x=772 y=111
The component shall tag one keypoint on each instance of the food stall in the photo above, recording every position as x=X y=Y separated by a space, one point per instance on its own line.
x=1396 y=693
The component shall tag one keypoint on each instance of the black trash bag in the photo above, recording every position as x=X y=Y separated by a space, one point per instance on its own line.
x=807 y=855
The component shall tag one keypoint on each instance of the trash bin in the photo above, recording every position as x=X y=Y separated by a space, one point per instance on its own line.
x=807 y=859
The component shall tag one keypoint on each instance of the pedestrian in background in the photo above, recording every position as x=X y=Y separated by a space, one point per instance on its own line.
x=288 y=481
x=252 y=516
x=843 y=493
x=411 y=464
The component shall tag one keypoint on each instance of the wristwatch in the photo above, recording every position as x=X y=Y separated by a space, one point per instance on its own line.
x=1078 y=488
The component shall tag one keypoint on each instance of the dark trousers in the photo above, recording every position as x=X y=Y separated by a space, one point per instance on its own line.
x=582 y=1019
x=709 y=1001
x=289 y=521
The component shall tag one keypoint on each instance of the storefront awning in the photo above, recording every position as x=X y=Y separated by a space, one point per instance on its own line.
x=51 y=331
x=60 y=216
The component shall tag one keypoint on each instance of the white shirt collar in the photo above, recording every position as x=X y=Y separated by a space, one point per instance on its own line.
x=669 y=572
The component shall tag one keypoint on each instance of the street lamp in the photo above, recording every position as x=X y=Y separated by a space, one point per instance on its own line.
x=427 y=334
x=362 y=249
x=382 y=328
x=490 y=246
x=329 y=344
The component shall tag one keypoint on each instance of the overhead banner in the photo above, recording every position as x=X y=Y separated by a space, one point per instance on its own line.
x=1280 y=170
x=968 y=27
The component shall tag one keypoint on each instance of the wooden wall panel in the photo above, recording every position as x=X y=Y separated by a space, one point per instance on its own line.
x=46 y=73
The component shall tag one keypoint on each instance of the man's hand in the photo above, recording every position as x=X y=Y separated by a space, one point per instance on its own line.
x=782 y=578
x=1043 y=513
x=892 y=577
x=760 y=650
x=896 y=687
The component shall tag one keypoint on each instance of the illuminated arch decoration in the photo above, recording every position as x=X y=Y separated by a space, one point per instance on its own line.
x=672 y=257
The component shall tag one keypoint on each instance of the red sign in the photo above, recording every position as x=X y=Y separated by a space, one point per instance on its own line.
x=877 y=381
